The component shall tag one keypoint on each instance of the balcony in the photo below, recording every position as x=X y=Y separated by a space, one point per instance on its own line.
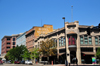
x=72 y=43
x=72 y=46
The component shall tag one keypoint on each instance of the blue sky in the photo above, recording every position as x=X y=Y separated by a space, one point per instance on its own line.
x=18 y=16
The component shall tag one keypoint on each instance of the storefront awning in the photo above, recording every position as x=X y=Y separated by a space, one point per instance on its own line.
x=89 y=53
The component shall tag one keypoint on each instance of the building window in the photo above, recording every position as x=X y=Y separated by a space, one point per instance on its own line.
x=13 y=39
x=64 y=41
x=81 y=39
x=59 y=42
x=99 y=39
x=96 y=40
x=13 y=43
x=90 y=40
x=8 y=39
x=69 y=41
x=8 y=43
x=72 y=40
x=13 y=46
x=8 y=47
x=86 y=39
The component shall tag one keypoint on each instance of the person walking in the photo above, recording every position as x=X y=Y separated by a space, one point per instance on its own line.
x=36 y=60
x=76 y=61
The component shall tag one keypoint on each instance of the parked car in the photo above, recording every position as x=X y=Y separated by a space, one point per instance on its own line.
x=22 y=62
x=28 y=62
x=17 y=62
x=8 y=61
x=1 y=62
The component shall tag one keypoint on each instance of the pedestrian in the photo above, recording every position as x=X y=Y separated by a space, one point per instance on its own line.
x=76 y=61
x=36 y=60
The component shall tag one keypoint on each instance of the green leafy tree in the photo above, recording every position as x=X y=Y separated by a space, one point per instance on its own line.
x=26 y=55
x=34 y=53
x=98 y=53
x=10 y=55
x=16 y=53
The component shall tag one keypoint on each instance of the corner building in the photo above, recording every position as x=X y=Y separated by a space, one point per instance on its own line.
x=78 y=43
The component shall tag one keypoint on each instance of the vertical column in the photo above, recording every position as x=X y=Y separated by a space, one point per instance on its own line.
x=93 y=43
x=40 y=59
x=78 y=52
x=67 y=49
x=57 y=47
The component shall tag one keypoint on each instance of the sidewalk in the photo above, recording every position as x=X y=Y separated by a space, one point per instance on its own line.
x=68 y=65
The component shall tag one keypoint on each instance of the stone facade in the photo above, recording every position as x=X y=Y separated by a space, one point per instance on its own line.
x=77 y=42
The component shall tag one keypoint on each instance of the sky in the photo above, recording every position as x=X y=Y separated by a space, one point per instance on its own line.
x=18 y=16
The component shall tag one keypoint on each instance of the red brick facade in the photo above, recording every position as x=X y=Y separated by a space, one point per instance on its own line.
x=8 y=42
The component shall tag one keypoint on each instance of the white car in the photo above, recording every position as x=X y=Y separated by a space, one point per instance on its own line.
x=28 y=62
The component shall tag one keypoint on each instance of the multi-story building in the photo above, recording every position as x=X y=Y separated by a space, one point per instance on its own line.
x=8 y=42
x=74 y=39
x=21 y=40
x=35 y=32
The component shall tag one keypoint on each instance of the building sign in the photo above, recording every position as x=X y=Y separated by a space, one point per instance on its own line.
x=93 y=60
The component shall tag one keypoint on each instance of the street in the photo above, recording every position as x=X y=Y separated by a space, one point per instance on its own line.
x=17 y=65
x=43 y=65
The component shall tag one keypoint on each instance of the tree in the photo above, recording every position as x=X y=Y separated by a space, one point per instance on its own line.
x=26 y=55
x=16 y=53
x=48 y=48
x=98 y=53
x=11 y=55
x=34 y=53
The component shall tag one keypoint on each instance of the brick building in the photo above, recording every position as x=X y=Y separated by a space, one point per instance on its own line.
x=8 y=42
x=35 y=32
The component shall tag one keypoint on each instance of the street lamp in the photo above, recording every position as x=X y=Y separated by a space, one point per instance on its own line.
x=65 y=44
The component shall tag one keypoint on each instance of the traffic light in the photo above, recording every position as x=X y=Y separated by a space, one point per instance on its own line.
x=88 y=30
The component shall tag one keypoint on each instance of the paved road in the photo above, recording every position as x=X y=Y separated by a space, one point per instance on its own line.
x=41 y=65
x=16 y=65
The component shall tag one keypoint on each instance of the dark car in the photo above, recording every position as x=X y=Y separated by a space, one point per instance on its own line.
x=22 y=62
x=1 y=62
x=9 y=62
x=17 y=62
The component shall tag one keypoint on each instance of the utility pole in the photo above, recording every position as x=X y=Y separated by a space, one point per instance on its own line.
x=65 y=44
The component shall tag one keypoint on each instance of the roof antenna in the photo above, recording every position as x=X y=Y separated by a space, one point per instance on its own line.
x=72 y=13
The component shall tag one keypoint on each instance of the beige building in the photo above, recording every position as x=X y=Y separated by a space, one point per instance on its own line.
x=78 y=43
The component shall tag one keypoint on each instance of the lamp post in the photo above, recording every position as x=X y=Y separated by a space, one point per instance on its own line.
x=65 y=44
